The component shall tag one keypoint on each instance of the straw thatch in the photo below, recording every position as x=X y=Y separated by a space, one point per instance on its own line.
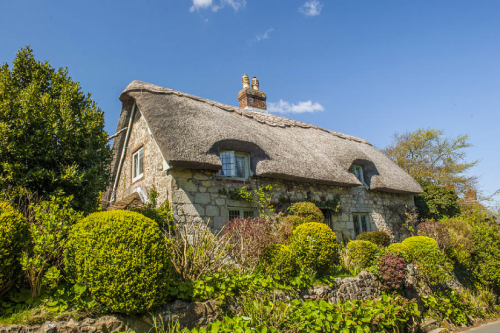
x=190 y=131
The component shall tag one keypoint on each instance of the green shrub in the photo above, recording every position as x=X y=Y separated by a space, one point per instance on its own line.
x=437 y=202
x=315 y=245
x=362 y=253
x=381 y=238
x=304 y=212
x=486 y=258
x=14 y=237
x=432 y=265
x=122 y=258
x=398 y=249
x=279 y=259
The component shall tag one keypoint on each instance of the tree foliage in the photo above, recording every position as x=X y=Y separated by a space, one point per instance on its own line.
x=53 y=137
x=431 y=158
x=437 y=202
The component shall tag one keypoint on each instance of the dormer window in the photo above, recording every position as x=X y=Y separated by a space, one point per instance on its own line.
x=357 y=170
x=234 y=164
x=137 y=164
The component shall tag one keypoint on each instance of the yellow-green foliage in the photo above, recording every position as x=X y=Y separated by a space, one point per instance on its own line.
x=122 y=258
x=315 y=245
x=380 y=238
x=14 y=238
x=432 y=264
x=279 y=259
x=304 y=212
x=363 y=253
x=398 y=249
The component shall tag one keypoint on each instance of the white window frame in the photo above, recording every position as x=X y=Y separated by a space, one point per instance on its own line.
x=135 y=174
x=241 y=210
x=233 y=154
x=358 y=222
x=359 y=168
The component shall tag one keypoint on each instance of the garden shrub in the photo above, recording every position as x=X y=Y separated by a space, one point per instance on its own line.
x=248 y=238
x=432 y=265
x=436 y=231
x=486 y=258
x=14 y=237
x=381 y=238
x=121 y=256
x=315 y=245
x=362 y=253
x=437 y=202
x=279 y=259
x=304 y=212
x=392 y=270
x=398 y=249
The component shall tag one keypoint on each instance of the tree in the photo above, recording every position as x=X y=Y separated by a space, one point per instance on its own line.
x=53 y=138
x=432 y=159
x=437 y=202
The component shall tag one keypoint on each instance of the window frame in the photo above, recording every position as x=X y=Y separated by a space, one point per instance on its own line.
x=353 y=168
x=235 y=154
x=137 y=153
x=242 y=211
x=358 y=221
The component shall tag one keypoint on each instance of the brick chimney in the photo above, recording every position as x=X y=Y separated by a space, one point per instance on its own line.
x=252 y=98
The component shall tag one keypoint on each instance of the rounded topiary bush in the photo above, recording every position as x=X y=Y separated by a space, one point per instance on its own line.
x=315 y=245
x=14 y=237
x=398 y=249
x=381 y=238
x=432 y=265
x=304 y=212
x=122 y=258
x=362 y=253
x=279 y=259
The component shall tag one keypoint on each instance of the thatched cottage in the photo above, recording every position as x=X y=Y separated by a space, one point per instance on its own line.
x=195 y=152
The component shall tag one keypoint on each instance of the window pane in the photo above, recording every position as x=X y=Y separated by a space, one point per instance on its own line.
x=134 y=167
x=359 y=173
x=356 y=224
x=240 y=167
x=364 y=226
x=248 y=213
x=227 y=159
x=141 y=161
x=233 y=214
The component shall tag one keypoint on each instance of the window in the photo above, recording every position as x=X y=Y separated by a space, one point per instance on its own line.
x=327 y=213
x=137 y=165
x=235 y=164
x=357 y=170
x=361 y=223
x=240 y=212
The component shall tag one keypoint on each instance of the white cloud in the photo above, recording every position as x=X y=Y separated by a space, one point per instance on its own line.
x=302 y=107
x=265 y=35
x=311 y=8
x=205 y=4
x=197 y=4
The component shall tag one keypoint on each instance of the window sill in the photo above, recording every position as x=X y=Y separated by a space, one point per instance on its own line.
x=134 y=181
x=233 y=181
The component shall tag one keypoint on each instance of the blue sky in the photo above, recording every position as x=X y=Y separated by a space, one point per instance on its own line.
x=367 y=68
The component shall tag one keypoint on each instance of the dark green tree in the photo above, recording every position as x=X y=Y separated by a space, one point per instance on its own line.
x=53 y=138
x=437 y=202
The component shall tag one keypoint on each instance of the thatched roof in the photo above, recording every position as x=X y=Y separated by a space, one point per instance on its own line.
x=190 y=131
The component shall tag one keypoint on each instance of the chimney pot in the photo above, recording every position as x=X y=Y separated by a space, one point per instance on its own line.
x=255 y=83
x=252 y=98
x=246 y=81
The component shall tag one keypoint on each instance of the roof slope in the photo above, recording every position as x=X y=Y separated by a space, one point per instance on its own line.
x=190 y=131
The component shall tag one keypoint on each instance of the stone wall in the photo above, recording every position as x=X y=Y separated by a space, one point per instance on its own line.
x=200 y=195
x=363 y=286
